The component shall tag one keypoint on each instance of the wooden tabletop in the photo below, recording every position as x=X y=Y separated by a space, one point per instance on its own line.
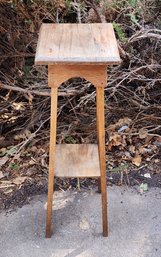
x=77 y=43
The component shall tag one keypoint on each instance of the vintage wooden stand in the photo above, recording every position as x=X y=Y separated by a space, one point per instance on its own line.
x=77 y=50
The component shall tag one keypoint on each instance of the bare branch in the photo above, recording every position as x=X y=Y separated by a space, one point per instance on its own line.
x=71 y=92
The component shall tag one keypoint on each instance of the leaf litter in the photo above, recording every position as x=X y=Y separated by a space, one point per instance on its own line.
x=132 y=101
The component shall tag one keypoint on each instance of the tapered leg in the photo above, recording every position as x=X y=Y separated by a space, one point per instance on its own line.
x=53 y=121
x=99 y=179
x=101 y=147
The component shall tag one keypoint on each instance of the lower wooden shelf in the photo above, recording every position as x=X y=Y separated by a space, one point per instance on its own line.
x=77 y=160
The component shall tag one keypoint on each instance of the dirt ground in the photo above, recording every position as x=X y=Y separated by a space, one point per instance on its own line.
x=13 y=196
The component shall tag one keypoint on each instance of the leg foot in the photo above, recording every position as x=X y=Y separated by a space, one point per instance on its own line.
x=48 y=232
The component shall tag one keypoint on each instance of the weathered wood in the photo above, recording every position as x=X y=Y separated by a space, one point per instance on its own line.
x=77 y=160
x=77 y=43
x=77 y=50
x=53 y=122
x=60 y=73
x=99 y=179
x=101 y=147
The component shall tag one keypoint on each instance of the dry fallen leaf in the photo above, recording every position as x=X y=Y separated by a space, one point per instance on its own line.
x=136 y=160
x=143 y=133
x=147 y=175
x=132 y=149
x=157 y=160
x=1 y=175
x=3 y=160
x=157 y=142
x=32 y=162
x=26 y=134
x=6 y=184
x=143 y=150
x=122 y=122
x=60 y=4
x=19 y=180
x=8 y=191
x=114 y=140
x=43 y=163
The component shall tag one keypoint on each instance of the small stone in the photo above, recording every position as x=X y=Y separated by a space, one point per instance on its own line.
x=84 y=225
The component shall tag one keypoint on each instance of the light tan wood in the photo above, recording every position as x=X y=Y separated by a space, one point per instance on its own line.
x=102 y=158
x=81 y=155
x=77 y=160
x=60 y=73
x=99 y=179
x=53 y=122
x=77 y=50
x=77 y=44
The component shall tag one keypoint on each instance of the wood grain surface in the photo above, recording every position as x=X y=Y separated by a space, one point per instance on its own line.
x=77 y=43
x=53 y=122
x=102 y=154
x=77 y=160
x=96 y=74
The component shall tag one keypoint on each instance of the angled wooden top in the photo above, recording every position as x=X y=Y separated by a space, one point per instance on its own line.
x=77 y=43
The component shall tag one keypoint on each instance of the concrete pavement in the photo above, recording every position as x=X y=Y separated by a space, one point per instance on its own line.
x=134 y=226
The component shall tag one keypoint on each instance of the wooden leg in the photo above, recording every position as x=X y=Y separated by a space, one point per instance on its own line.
x=99 y=185
x=101 y=146
x=53 y=121
x=99 y=179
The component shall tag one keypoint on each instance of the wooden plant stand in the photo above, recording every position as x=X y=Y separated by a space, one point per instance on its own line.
x=77 y=50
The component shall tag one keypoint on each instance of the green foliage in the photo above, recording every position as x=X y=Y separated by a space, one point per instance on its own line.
x=68 y=3
x=133 y=18
x=133 y=3
x=120 y=168
x=97 y=1
x=119 y=31
x=11 y=151
x=70 y=140
x=14 y=166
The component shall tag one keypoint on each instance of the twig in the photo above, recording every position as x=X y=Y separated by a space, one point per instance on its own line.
x=77 y=8
x=23 y=144
x=70 y=92
x=12 y=55
x=97 y=10
x=143 y=33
